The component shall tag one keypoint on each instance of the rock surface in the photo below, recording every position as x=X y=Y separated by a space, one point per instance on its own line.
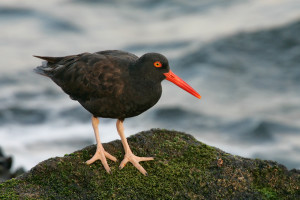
x=184 y=168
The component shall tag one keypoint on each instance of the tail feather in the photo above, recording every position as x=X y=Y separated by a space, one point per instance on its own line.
x=49 y=59
x=45 y=69
x=51 y=65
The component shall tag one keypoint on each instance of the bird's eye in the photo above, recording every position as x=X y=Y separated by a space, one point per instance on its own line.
x=157 y=64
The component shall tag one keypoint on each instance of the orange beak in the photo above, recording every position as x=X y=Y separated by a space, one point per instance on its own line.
x=170 y=76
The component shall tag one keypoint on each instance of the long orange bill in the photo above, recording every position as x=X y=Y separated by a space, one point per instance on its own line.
x=170 y=76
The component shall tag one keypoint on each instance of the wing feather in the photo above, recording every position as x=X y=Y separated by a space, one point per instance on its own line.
x=87 y=76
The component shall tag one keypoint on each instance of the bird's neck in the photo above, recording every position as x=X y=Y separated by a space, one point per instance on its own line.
x=145 y=90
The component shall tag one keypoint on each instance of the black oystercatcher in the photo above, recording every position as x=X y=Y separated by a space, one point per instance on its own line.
x=112 y=84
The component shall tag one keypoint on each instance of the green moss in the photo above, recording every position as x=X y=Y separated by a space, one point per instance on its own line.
x=9 y=186
x=183 y=169
x=268 y=193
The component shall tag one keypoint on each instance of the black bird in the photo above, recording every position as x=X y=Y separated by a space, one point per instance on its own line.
x=112 y=84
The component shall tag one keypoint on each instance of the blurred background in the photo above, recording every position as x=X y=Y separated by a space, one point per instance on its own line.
x=241 y=56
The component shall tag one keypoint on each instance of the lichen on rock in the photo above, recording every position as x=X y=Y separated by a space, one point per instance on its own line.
x=184 y=168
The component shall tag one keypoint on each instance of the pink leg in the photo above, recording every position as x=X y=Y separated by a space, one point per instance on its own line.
x=100 y=154
x=129 y=156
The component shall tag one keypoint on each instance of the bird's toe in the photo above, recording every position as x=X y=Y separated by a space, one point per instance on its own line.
x=102 y=155
x=109 y=156
x=135 y=162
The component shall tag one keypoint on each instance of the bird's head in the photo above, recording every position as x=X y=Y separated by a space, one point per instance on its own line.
x=156 y=66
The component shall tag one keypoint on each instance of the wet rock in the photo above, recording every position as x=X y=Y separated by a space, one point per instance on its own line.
x=184 y=168
x=5 y=168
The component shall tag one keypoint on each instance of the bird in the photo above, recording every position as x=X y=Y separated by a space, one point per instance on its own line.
x=112 y=84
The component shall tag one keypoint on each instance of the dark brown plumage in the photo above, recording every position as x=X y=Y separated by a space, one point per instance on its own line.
x=100 y=81
x=112 y=84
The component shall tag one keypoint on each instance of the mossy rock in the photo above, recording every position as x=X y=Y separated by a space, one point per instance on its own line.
x=184 y=168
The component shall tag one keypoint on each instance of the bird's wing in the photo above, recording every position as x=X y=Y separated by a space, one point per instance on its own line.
x=87 y=76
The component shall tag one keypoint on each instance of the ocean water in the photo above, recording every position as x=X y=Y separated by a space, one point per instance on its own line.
x=241 y=56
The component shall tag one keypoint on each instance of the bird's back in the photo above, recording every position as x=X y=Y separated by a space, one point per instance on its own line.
x=96 y=81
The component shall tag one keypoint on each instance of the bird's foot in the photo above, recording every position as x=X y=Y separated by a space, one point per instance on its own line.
x=101 y=154
x=130 y=157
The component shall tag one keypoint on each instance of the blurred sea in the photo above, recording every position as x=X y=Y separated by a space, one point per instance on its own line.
x=242 y=56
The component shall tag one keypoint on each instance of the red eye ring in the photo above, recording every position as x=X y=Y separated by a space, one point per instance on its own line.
x=157 y=64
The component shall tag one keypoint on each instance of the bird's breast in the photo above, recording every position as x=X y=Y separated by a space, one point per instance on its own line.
x=141 y=97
